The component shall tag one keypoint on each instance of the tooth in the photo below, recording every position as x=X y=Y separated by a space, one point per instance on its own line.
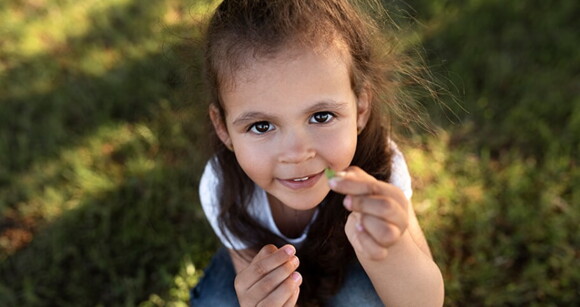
x=300 y=179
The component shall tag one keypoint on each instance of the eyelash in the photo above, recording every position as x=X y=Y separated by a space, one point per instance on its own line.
x=252 y=128
x=329 y=117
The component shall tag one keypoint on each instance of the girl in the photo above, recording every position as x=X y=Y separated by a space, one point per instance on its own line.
x=296 y=88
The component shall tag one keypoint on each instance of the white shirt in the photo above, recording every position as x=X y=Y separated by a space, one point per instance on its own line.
x=259 y=207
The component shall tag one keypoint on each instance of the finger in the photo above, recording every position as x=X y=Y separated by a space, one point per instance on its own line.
x=371 y=248
x=352 y=226
x=383 y=233
x=283 y=292
x=272 y=280
x=267 y=250
x=355 y=181
x=293 y=299
x=267 y=260
x=244 y=279
x=382 y=207
x=363 y=243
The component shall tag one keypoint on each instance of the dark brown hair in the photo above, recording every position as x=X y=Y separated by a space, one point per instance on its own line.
x=260 y=29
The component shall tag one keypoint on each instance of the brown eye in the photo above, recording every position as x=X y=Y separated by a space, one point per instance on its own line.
x=321 y=117
x=261 y=127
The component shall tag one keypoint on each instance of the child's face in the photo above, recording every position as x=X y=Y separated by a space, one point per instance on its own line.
x=289 y=118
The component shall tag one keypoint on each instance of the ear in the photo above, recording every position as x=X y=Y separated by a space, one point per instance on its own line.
x=220 y=126
x=363 y=107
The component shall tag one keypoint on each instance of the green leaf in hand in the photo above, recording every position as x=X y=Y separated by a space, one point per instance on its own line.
x=329 y=173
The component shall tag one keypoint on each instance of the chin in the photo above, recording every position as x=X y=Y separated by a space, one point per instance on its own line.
x=300 y=201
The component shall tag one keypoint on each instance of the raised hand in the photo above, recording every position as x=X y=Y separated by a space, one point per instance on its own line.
x=379 y=212
x=270 y=279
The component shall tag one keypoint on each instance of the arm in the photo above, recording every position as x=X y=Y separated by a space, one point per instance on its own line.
x=385 y=234
x=407 y=276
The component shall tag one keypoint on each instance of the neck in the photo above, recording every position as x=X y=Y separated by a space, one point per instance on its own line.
x=290 y=222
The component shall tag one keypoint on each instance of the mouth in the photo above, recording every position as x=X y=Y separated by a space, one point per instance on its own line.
x=300 y=183
x=301 y=179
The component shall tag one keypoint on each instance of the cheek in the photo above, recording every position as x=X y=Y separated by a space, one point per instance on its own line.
x=254 y=161
x=338 y=148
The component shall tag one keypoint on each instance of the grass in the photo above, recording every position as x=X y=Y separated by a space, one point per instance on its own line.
x=497 y=189
x=101 y=148
x=99 y=156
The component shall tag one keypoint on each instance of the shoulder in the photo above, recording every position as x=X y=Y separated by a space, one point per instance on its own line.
x=208 y=184
x=400 y=176
x=210 y=203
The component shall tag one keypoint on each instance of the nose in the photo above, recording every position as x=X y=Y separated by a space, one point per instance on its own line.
x=296 y=146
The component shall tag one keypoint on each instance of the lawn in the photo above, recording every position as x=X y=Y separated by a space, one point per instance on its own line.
x=102 y=140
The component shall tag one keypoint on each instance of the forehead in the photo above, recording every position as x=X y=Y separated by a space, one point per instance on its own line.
x=289 y=71
x=322 y=70
x=288 y=85
x=251 y=63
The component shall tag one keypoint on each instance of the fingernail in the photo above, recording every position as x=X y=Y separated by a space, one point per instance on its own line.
x=289 y=250
x=295 y=261
x=296 y=276
x=333 y=182
x=347 y=203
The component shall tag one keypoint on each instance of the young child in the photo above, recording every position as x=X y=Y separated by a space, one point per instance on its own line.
x=296 y=88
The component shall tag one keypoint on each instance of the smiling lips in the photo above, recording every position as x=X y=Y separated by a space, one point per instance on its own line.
x=300 y=179
x=302 y=182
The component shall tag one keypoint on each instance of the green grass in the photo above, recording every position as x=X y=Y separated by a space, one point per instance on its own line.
x=99 y=153
x=102 y=141
x=497 y=189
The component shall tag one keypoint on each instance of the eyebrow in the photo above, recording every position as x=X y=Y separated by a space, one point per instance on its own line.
x=325 y=105
x=250 y=117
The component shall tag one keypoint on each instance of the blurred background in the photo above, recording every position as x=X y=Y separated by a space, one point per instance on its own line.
x=102 y=142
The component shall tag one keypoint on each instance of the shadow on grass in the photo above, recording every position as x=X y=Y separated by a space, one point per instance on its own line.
x=517 y=67
x=505 y=199
x=52 y=100
x=115 y=249
x=126 y=243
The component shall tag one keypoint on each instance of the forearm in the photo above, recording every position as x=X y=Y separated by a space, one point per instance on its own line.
x=407 y=276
